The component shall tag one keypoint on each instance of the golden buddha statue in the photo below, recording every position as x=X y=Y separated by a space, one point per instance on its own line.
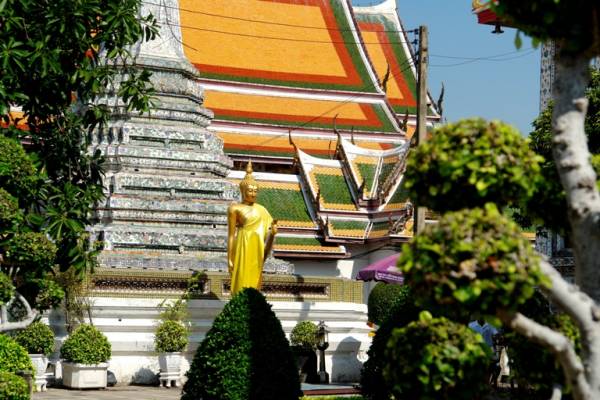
x=251 y=231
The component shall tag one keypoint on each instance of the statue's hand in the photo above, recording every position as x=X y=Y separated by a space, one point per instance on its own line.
x=274 y=227
x=230 y=266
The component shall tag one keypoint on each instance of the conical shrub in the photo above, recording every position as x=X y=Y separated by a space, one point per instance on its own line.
x=245 y=356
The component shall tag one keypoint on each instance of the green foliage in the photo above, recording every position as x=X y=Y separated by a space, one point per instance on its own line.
x=86 y=345
x=7 y=289
x=14 y=357
x=50 y=294
x=32 y=249
x=244 y=356
x=532 y=365
x=401 y=312
x=53 y=70
x=304 y=334
x=17 y=173
x=572 y=23
x=10 y=214
x=171 y=336
x=13 y=387
x=37 y=338
x=382 y=300
x=548 y=206
x=472 y=260
x=174 y=311
x=451 y=361
x=470 y=163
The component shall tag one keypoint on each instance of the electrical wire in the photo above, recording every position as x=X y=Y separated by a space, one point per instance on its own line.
x=271 y=22
x=482 y=59
x=281 y=38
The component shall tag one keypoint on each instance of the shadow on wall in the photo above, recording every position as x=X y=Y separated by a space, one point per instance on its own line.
x=345 y=361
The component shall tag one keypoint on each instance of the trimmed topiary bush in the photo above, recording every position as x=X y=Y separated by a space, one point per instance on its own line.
x=31 y=248
x=13 y=387
x=13 y=357
x=86 y=345
x=171 y=336
x=37 y=338
x=304 y=335
x=470 y=163
x=7 y=289
x=10 y=214
x=382 y=299
x=435 y=358
x=471 y=261
x=245 y=355
x=401 y=312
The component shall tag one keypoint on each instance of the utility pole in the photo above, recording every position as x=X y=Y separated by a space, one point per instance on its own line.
x=421 y=132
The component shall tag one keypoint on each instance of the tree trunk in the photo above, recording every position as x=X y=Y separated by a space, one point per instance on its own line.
x=583 y=201
x=576 y=173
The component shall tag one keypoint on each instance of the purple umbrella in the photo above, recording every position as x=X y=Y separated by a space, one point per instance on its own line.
x=383 y=270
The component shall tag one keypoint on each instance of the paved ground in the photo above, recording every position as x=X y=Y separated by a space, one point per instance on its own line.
x=148 y=393
x=113 y=393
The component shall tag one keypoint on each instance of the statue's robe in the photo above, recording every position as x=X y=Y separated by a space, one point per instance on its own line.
x=249 y=247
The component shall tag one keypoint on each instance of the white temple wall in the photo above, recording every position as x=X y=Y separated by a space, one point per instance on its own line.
x=129 y=324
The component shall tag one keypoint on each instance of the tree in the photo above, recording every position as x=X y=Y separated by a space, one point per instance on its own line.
x=575 y=26
x=548 y=206
x=469 y=277
x=57 y=58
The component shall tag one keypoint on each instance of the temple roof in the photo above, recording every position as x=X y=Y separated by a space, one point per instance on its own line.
x=274 y=108
x=276 y=43
x=388 y=45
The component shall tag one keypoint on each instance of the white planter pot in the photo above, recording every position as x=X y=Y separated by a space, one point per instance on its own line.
x=40 y=363
x=170 y=368
x=84 y=376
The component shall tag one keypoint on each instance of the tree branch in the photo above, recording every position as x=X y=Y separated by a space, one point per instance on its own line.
x=558 y=344
x=584 y=312
x=22 y=324
x=570 y=298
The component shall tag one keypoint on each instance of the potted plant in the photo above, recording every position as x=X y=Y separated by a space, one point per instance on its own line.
x=38 y=340
x=303 y=339
x=85 y=353
x=170 y=339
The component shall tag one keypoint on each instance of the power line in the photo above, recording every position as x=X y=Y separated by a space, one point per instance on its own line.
x=482 y=59
x=279 y=38
x=271 y=22
x=485 y=58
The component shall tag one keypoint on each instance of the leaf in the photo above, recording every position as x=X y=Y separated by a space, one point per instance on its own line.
x=518 y=40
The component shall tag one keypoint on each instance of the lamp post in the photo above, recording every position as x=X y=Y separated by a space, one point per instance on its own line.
x=322 y=345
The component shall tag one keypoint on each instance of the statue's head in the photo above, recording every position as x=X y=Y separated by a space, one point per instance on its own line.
x=248 y=186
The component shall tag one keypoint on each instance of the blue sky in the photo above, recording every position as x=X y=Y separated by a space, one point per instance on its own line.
x=506 y=89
